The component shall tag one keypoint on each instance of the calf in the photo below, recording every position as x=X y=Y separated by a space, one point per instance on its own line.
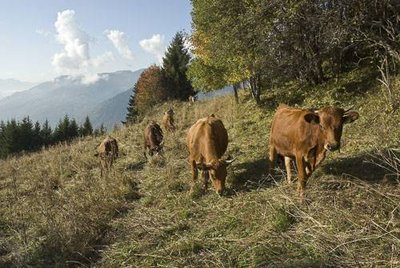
x=107 y=152
x=304 y=136
x=168 y=121
x=153 y=139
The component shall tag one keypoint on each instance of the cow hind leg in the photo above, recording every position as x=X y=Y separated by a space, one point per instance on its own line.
x=288 y=163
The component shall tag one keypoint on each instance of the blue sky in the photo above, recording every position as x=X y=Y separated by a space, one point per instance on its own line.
x=42 y=39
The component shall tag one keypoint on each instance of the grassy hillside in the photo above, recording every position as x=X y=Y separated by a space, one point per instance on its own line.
x=56 y=210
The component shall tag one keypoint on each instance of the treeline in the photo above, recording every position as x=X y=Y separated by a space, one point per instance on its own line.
x=24 y=135
x=272 y=42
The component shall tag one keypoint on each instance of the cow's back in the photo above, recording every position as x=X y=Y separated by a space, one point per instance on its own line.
x=290 y=132
x=207 y=138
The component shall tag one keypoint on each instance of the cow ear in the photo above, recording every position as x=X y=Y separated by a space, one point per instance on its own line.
x=312 y=118
x=350 y=117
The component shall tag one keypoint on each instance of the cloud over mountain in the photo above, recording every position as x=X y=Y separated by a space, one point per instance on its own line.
x=75 y=57
x=154 y=45
x=119 y=41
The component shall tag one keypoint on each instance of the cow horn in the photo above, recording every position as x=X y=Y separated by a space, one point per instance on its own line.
x=230 y=161
x=348 y=110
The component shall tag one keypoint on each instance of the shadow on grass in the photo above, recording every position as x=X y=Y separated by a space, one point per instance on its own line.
x=136 y=166
x=365 y=167
x=251 y=175
x=370 y=167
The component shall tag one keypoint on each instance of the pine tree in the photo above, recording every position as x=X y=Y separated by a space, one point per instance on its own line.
x=175 y=65
x=3 y=141
x=11 y=136
x=72 y=130
x=86 y=129
x=36 y=139
x=46 y=134
x=132 y=114
x=25 y=137
x=61 y=130
x=100 y=131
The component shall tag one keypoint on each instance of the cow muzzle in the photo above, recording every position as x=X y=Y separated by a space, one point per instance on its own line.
x=332 y=146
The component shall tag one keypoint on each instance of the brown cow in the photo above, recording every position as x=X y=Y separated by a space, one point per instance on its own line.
x=305 y=136
x=168 y=120
x=153 y=139
x=107 y=152
x=207 y=141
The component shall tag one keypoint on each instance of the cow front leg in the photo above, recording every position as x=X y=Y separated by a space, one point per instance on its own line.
x=109 y=162
x=271 y=159
x=206 y=177
x=195 y=174
x=288 y=162
x=102 y=166
x=302 y=177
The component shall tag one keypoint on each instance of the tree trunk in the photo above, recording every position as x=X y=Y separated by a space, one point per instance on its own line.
x=255 y=88
x=235 y=92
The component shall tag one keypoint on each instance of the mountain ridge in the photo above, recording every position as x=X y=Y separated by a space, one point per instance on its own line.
x=65 y=94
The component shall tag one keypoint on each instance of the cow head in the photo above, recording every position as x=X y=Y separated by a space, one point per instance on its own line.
x=330 y=121
x=217 y=171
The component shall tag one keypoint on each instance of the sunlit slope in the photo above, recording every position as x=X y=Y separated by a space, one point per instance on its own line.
x=57 y=210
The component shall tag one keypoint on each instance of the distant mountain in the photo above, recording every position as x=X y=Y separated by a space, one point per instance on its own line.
x=10 y=86
x=216 y=93
x=111 y=111
x=66 y=95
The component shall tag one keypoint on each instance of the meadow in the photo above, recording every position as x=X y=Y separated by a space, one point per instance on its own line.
x=57 y=211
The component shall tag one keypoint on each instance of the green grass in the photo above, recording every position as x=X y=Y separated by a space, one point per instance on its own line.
x=56 y=210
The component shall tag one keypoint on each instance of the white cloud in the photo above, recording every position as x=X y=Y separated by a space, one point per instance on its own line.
x=92 y=78
x=155 y=45
x=75 y=41
x=119 y=41
x=100 y=60
x=75 y=58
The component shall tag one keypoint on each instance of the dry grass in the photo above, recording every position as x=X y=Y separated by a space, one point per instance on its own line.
x=57 y=211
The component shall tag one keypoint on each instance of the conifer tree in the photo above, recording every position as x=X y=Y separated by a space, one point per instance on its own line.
x=36 y=139
x=73 y=130
x=175 y=65
x=61 y=130
x=100 y=131
x=3 y=141
x=86 y=129
x=11 y=136
x=132 y=110
x=24 y=139
x=46 y=134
